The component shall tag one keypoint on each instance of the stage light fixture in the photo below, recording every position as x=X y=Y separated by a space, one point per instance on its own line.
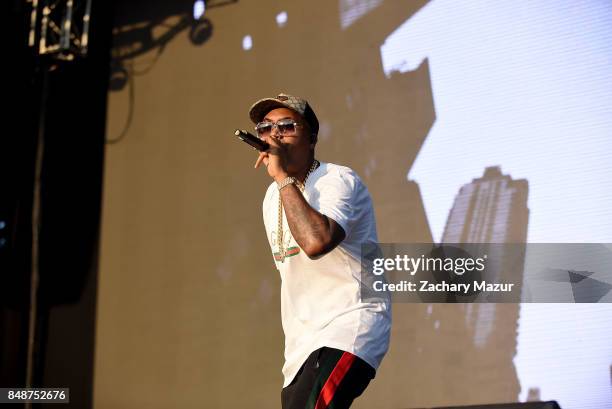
x=199 y=8
x=247 y=43
x=281 y=18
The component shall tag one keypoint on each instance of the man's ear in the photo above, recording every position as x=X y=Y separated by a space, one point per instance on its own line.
x=313 y=140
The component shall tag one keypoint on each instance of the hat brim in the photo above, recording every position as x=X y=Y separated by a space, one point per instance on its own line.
x=259 y=109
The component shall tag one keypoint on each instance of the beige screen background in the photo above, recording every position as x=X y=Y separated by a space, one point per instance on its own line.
x=188 y=303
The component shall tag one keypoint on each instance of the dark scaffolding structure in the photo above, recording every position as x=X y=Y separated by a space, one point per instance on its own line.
x=51 y=156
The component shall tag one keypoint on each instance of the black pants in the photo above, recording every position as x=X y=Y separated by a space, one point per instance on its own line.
x=330 y=378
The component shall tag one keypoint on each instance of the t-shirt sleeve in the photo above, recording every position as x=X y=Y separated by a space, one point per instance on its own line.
x=336 y=194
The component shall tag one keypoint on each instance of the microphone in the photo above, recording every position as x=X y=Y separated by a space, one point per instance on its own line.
x=252 y=140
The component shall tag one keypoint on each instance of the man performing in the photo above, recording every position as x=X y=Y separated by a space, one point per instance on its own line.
x=316 y=216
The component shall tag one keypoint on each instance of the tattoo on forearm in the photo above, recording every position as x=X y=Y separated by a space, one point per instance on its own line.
x=307 y=226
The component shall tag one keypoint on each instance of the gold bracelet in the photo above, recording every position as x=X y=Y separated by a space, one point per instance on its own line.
x=287 y=181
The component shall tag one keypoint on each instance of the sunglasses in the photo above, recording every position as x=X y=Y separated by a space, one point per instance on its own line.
x=284 y=126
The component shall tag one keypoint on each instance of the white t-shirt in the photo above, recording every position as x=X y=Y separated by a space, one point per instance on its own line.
x=320 y=299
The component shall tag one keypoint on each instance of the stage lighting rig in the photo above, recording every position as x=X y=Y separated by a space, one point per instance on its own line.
x=59 y=27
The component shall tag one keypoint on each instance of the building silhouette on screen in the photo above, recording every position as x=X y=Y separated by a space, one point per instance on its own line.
x=489 y=209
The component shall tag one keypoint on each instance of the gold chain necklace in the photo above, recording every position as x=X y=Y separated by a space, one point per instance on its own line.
x=279 y=232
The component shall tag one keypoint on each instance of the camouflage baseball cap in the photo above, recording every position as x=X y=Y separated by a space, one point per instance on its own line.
x=260 y=108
